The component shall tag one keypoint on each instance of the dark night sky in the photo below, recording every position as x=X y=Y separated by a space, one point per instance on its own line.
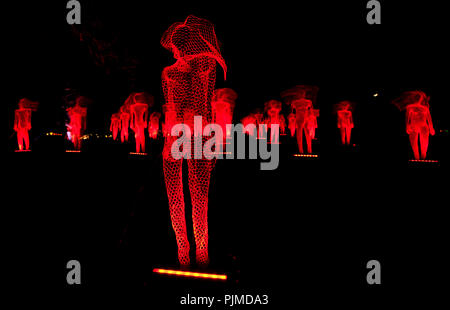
x=268 y=47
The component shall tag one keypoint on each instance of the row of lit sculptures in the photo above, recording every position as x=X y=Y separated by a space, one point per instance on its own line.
x=189 y=90
x=301 y=121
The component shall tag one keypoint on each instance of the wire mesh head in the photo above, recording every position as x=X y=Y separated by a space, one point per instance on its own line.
x=195 y=36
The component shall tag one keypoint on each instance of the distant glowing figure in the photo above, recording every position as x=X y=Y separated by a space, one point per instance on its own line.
x=22 y=122
x=222 y=104
x=292 y=123
x=77 y=115
x=273 y=109
x=344 y=120
x=153 y=127
x=418 y=120
x=124 y=122
x=115 y=125
x=139 y=115
x=188 y=87
x=301 y=98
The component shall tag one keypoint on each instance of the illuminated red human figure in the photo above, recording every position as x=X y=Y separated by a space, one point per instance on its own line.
x=301 y=99
x=306 y=123
x=77 y=115
x=222 y=104
x=419 y=125
x=273 y=109
x=345 y=123
x=138 y=118
x=22 y=124
x=124 y=122
x=115 y=125
x=188 y=86
x=292 y=123
x=153 y=127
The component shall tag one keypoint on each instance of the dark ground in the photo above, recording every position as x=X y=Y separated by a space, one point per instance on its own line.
x=296 y=233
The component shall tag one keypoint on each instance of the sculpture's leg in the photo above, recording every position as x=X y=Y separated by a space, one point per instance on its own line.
x=26 y=139
x=300 y=139
x=413 y=139
x=199 y=176
x=308 y=142
x=348 y=134
x=20 y=139
x=342 y=131
x=424 y=138
x=174 y=185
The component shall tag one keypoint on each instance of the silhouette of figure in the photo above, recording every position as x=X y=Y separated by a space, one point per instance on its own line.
x=273 y=109
x=22 y=122
x=124 y=122
x=292 y=123
x=188 y=86
x=418 y=120
x=138 y=118
x=301 y=99
x=153 y=127
x=345 y=123
x=222 y=104
x=77 y=115
x=115 y=125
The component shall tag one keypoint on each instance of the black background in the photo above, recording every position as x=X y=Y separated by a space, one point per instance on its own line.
x=303 y=232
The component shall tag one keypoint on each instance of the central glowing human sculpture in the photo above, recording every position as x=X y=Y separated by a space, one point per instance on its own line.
x=138 y=118
x=345 y=123
x=77 y=115
x=418 y=120
x=188 y=86
x=22 y=122
x=273 y=110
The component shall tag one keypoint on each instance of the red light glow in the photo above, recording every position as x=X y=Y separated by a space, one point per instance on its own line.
x=306 y=155
x=138 y=153
x=423 y=161
x=191 y=274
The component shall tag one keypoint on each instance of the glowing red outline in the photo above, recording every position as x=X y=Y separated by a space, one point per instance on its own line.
x=191 y=274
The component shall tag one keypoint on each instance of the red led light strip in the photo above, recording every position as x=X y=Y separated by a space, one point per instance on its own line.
x=306 y=155
x=423 y=161
x=191 y=274
x=73 y=151
x=135 y=153
x=20 y=151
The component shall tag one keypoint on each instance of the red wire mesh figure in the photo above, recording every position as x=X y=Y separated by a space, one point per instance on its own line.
x=115 y=125
x=222 y=104
x=139 y=115
x=124 y=122
x=273 y=109
x=345 y=123
x=22 y=122
x=301 y=99
x=77 y=115
x=153 y=127
x=418 y=120
x=188 y=87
